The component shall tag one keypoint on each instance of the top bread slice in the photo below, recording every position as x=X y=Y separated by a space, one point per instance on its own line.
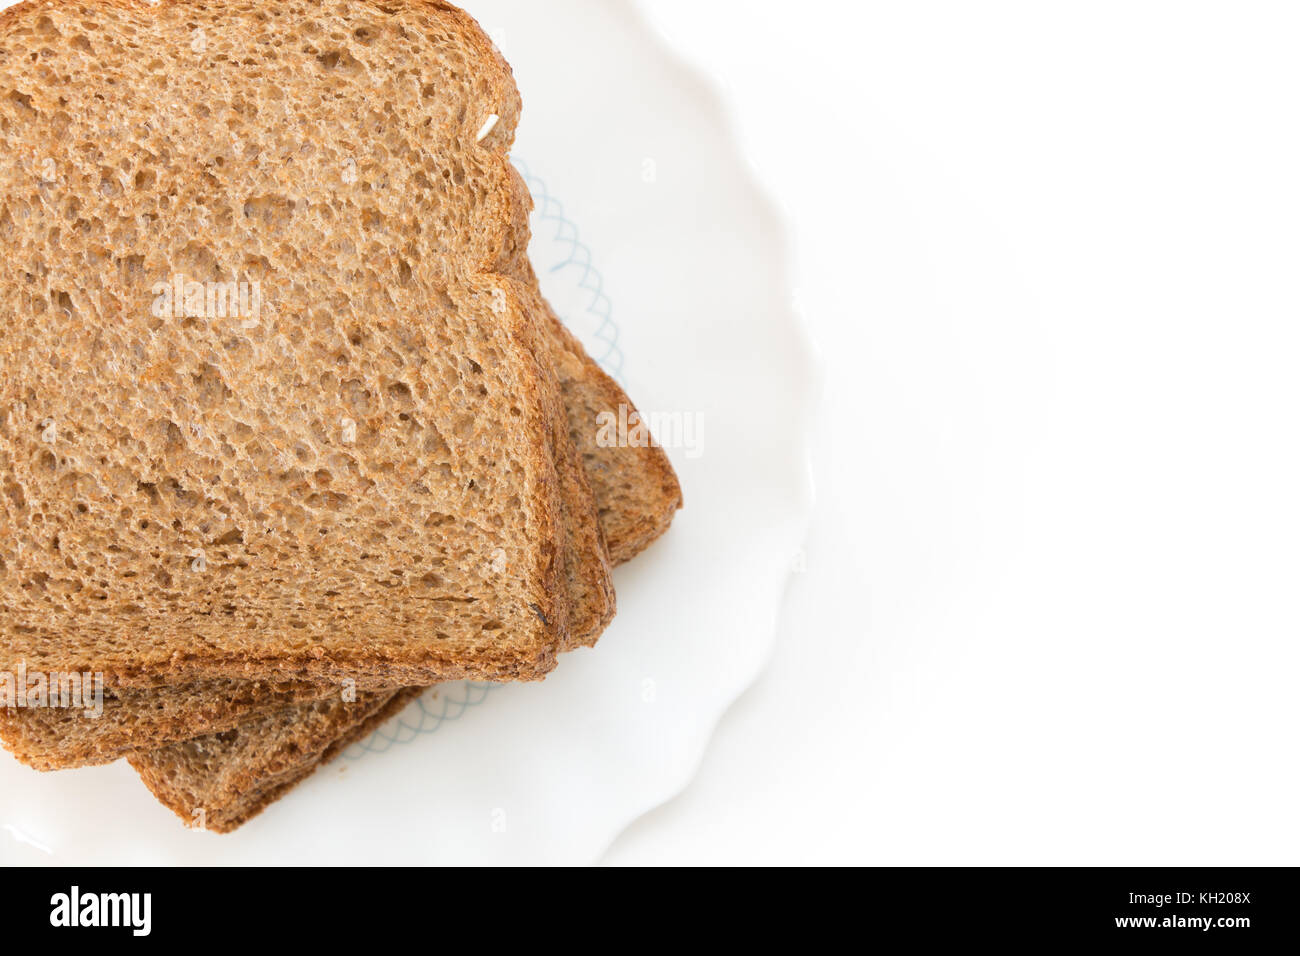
x=358 y=482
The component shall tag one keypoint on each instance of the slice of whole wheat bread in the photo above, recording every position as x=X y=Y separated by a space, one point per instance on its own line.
x=244 y=807
x=221 y=780
x=200 y=505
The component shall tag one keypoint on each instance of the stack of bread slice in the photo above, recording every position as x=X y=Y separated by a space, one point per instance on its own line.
x=354 y=455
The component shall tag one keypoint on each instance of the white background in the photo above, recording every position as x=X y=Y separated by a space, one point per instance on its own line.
x=1048 y=253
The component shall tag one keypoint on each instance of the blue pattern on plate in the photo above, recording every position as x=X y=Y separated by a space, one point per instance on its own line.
x=576 y=256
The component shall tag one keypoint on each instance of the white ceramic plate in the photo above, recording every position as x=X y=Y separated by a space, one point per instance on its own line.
x=654 y=246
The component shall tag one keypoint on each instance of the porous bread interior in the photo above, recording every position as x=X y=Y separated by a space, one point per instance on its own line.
x=201 y=505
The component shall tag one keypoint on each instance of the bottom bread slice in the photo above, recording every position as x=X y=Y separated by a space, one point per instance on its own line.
x=221 y=781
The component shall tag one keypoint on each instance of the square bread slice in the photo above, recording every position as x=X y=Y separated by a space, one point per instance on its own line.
x=356 y=478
